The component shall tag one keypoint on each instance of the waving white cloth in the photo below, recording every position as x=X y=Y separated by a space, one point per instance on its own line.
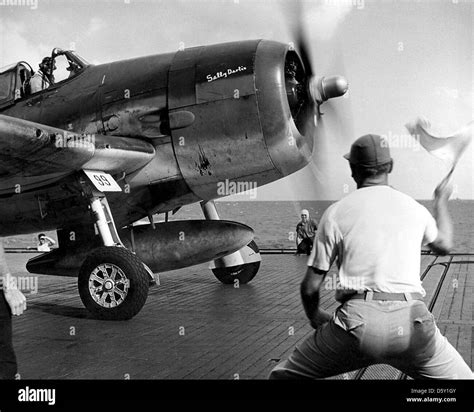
x=448 y=149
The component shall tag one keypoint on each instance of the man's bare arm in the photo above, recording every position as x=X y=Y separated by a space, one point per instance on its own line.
x=443 y=244
x=310 y=287
x=3 y=262
x=50 y=240
x=15 y=299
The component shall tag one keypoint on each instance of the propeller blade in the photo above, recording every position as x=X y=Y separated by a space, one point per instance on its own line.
x=302 y=47
x=300 y=38
x=331 y=131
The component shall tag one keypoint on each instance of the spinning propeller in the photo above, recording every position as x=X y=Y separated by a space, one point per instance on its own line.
x=326 y=122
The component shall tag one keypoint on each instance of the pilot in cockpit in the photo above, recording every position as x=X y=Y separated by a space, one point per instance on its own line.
x=44 y=77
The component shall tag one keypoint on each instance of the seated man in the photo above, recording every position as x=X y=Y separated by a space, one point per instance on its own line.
x=43 y=78
x=305 y=231
x=73 y=69
x=44 y=243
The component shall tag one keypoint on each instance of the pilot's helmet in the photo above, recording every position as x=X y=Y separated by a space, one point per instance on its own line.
x=46 y=62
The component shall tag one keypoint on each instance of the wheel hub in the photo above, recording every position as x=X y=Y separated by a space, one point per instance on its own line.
x=108 y=285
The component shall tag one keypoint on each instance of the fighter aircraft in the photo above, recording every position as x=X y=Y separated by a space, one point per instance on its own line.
x=112 y=144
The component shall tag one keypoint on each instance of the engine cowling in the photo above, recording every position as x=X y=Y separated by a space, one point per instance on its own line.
x=245 y=100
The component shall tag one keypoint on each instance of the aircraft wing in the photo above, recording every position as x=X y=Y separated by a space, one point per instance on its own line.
x=34 y=154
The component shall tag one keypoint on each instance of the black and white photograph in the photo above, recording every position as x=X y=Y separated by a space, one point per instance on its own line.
x=236 y=199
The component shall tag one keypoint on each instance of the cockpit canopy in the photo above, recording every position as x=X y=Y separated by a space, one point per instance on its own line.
x=15 y=78
x=67 y=63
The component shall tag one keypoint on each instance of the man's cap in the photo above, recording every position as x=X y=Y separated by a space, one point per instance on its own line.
x=305 y=212
x=368 y=151
x=46 y=59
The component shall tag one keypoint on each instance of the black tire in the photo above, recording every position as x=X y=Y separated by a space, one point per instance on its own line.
x=243 y=273
x=131 y=286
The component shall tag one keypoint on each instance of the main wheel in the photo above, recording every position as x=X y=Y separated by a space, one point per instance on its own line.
x=243 y=273
x=113 y=283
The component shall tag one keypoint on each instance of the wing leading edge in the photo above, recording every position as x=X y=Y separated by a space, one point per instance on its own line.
x=33 y=153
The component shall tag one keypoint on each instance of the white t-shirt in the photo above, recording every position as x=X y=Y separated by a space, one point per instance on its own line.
x=38 y=82
x=43 y=247
x=375 y=235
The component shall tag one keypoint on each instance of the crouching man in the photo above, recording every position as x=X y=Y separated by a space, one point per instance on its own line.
x=375 y=235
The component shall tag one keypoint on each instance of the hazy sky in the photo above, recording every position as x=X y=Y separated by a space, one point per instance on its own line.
x=402 y=59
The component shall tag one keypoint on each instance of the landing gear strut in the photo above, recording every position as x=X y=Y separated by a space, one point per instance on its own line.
x=113 y=283
x=241 y=266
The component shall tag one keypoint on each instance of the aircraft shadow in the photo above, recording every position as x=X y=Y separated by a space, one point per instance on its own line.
x=61 y=310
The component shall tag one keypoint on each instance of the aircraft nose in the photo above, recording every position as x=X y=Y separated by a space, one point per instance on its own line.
x=287 y=119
